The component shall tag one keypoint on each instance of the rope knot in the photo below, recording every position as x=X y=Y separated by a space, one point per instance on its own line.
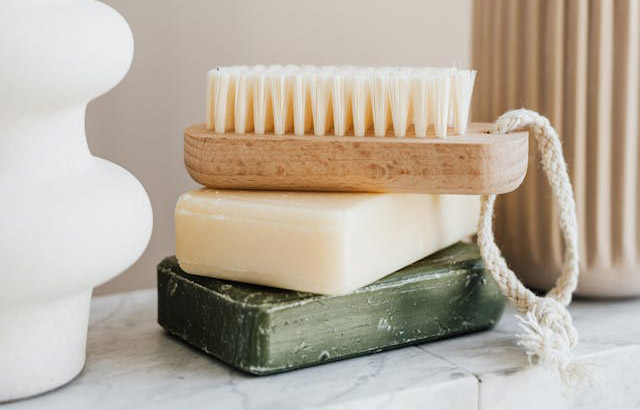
x=551 y=314
x=524 y=119
x=521 y=119
x=549 y=336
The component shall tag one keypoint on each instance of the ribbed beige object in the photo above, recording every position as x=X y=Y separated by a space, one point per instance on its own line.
x=578 y=63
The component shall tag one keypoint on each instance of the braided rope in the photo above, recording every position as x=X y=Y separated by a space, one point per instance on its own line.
x=549 y=334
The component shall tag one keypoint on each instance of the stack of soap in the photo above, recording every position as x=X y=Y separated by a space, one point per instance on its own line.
x=275 y=280
x=271 y=281
x=265 y=330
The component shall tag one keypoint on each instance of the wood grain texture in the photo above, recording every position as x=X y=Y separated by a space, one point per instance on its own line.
x=475 y=163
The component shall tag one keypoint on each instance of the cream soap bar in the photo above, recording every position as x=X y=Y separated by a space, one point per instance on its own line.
x=327 y=243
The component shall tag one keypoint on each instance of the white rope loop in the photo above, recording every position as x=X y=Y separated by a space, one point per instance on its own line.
x=549 y=334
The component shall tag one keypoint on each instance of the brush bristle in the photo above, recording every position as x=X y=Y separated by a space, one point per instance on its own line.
x=243 y=109
x=301 y=98
x=379 y=101
x=420 y=103
x=440 y=91
x=340 y=101
x=462 y=86
x=360 y=102
x=281 y=92
x=321 y=110
x=399 y=99
x=341 y=104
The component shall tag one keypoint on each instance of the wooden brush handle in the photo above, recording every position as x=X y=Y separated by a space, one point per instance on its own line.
x=474 y=163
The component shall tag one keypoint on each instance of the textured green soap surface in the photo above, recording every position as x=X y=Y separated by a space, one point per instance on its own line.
x=264 y=330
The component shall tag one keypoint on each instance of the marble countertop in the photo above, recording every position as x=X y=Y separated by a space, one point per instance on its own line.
x=133 y=363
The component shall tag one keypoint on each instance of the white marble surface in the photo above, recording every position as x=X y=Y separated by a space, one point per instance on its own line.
x=132 y=363
x=609 y=343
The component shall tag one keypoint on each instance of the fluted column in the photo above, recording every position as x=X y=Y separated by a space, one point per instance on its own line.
x=577 y=62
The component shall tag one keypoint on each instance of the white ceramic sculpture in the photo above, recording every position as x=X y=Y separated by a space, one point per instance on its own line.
x=68 y=221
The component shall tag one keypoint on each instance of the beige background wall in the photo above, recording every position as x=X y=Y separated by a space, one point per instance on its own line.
x=139 y=124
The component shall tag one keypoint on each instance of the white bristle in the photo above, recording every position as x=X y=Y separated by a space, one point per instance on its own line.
x=341 y=104
x=320 y=87
x=302 y=119
x=262 y=104
x=345 y=100
x=463 y=81
x=281 y=100
x=399 y=100
x=289 y=122
x=243 y=112
x=211 y=96
x=439 y=90
x=224 y=99
x=360 y=102
x=420 y=103
x=379 y=102
x=450 y=73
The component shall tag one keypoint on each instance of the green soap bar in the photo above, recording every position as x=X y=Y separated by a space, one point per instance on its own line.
x=264 y=330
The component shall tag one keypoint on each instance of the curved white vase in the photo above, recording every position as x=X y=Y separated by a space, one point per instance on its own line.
x=68 y=221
